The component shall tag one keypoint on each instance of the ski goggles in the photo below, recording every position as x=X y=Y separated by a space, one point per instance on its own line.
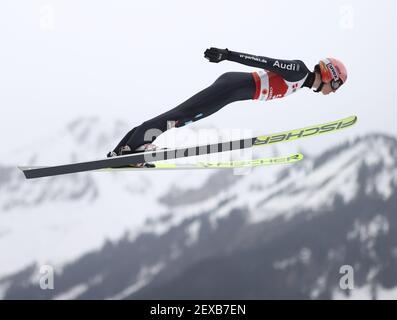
x=335 y=84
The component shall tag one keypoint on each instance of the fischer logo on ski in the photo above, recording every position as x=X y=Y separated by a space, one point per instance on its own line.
x=305 y=132
x=158 y=155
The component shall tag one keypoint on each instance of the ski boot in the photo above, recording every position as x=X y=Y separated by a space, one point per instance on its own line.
x=147 y=147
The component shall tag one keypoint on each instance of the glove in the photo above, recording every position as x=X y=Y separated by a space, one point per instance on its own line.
x=216 y=55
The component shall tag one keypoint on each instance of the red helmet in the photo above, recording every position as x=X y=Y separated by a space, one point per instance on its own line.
x=333 y=71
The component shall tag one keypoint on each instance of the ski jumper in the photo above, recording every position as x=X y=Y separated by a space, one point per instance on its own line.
x=278 y=79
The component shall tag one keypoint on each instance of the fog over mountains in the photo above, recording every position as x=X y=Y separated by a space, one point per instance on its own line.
x=271 y=233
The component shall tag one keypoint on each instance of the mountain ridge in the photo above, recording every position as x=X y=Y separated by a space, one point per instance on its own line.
x=175 y=225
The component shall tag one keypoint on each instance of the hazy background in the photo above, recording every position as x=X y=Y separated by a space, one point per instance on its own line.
x=71 y=70
x=132 y=60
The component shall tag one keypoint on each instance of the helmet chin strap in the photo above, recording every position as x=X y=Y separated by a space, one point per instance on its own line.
x=318 y=72
x=320 y=87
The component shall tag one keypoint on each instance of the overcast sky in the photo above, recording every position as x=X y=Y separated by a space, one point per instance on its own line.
x=60 y=60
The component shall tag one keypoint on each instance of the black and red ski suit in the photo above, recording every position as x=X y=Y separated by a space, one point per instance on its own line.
x=277 y=79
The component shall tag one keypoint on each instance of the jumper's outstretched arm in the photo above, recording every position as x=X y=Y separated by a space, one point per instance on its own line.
x=290 y=70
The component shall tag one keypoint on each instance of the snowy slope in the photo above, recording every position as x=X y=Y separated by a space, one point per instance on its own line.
x=169 y=221
x=287 y=236
x=54 y=220
x=312 y=185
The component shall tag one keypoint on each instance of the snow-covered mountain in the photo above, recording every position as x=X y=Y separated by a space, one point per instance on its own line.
x=279 y=232
x=54 y=220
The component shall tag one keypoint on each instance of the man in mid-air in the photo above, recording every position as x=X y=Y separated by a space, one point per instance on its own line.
x=277 y=79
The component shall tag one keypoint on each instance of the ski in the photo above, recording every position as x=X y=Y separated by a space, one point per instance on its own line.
x=213 y=165
x=167 y=154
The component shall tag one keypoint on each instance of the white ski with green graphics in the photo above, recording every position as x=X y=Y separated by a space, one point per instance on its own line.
x=167 y=154
x=213 y=165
